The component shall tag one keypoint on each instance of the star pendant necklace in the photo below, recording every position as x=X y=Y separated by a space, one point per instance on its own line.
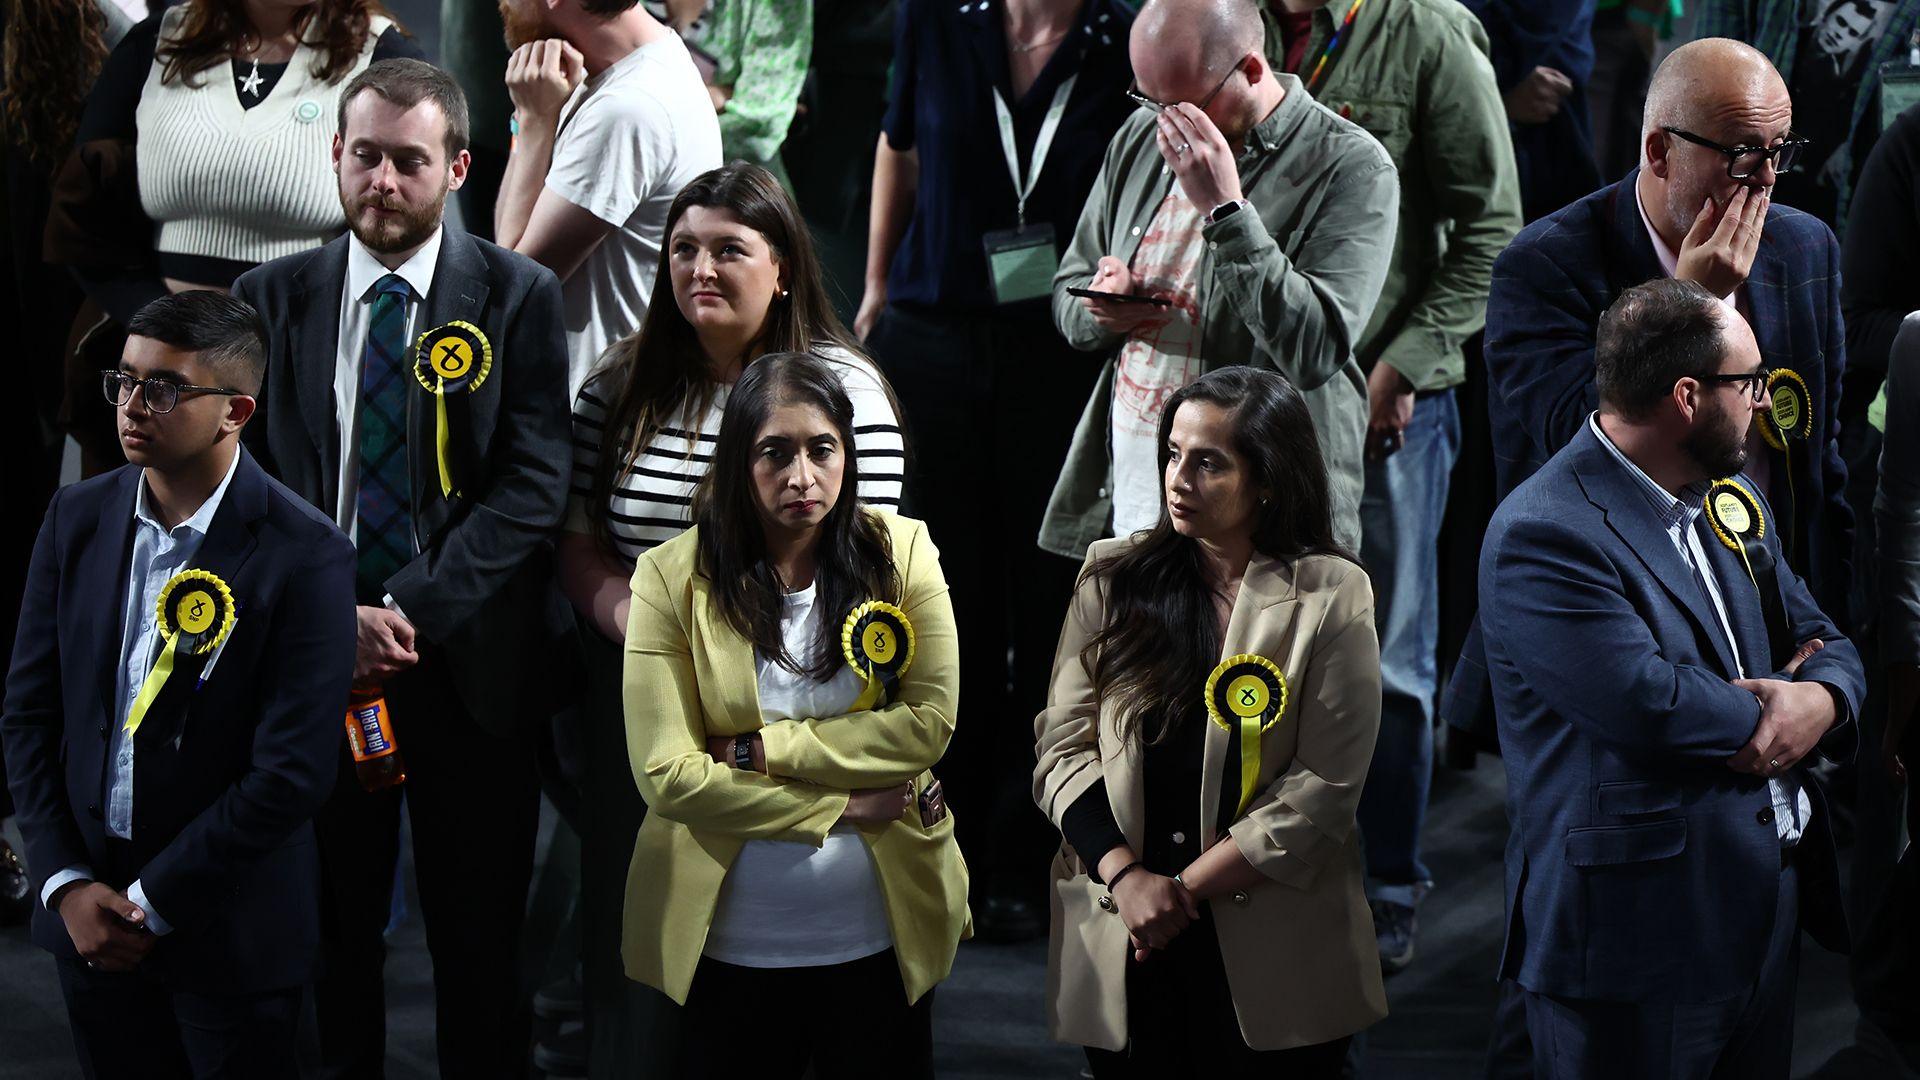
x=250 y=84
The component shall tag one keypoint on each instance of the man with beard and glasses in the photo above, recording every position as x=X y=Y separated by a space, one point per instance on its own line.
x=1662 y=679
x=416 y=391
x=611 y=119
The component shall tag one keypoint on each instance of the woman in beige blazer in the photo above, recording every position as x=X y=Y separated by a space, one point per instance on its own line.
x=1214 y=703
x=796 y=880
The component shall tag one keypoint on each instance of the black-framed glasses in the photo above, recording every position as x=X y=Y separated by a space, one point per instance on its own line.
x=1744 y=161
x=161 y=394
x=1756 y=381
x=1133 y=91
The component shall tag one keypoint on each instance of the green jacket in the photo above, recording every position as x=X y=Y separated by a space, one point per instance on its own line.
x=1289 y=289
x=1415 y=74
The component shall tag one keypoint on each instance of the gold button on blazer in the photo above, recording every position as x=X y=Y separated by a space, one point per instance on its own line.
x=1299 y=948
x=689 y=675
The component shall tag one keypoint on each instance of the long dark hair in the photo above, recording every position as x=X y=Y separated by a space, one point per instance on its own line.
x=211 y=33
x=54 y=48
x=854 y=562
x=1162 y=634
x=654 y=372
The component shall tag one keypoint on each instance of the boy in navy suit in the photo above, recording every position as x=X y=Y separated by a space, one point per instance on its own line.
x=175 y=703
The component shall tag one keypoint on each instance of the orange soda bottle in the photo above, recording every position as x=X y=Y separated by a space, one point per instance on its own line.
x=376 y=755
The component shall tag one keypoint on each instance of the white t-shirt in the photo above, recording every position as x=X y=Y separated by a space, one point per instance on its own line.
x=787 y=904
x=630 y=138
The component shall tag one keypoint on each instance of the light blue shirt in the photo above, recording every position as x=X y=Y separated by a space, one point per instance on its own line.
x=158 y=554
x=1791 y=806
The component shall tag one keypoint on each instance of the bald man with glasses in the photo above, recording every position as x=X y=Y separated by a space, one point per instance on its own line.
x=1716 y=136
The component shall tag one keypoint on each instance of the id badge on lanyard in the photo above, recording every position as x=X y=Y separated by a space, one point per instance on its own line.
x=1021 y=261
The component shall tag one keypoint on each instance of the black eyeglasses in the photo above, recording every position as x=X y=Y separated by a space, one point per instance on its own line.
x=1756 y=381
x=1744 y=161
x=161 y=395
x=1133 y=91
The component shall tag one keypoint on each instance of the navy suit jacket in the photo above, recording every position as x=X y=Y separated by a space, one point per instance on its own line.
x=1639 y=866
x=482 y=589
x=228 y=774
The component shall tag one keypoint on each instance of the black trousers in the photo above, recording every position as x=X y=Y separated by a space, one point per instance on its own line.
x=991 y=403
x=844 y=1020
x=129 y=1025
x=473 y=801
x=1180 y=1014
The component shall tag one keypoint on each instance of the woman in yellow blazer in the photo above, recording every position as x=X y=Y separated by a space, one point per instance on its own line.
x=791 y=666
x=1215 y=699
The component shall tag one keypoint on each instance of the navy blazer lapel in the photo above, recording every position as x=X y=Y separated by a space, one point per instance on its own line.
x=315 y=355
x=1631 y=516
x=230 y=537
x=1630 y=256
x=107 y=563
x=1740 y=593
x=458 y=294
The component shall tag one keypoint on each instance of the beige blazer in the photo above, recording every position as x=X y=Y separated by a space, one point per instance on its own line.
x=1299 y=949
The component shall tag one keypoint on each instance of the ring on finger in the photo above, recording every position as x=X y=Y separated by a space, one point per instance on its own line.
x=1774 y=764
x=1183 y=148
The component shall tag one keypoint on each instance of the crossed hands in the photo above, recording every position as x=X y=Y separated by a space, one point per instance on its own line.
x=108 y=930
x=1793 y=717
x=1155 y=909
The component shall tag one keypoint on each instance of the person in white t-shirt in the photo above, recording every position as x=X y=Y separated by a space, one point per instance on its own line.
x=611 y=120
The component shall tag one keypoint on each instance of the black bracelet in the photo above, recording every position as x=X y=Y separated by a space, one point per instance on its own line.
x=1124 y=871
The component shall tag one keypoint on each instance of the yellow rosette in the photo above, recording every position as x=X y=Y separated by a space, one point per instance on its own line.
x=196 y=614
x=877 y=641
x=454 y=359
x=1250 y=692
x=1734 y=515
x=1788 y=420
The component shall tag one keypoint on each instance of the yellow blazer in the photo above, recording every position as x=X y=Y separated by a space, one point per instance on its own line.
x=1299 y=949
x=688 y=675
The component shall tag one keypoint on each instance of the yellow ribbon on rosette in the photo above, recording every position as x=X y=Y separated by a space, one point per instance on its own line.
x=877 y=640
x=1248 y=692
x=1788 y=419
x=196 y=615
x=1734 y=515
x=452 y=359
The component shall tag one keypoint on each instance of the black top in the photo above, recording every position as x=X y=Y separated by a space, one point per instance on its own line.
x=110 y=115
x=1878 y=286
x=1171 y=771
x=948 y=59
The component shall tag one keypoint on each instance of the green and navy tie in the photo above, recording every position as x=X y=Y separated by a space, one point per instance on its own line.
x=385 y=504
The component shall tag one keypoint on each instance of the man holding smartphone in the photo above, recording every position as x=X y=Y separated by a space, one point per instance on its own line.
x=1262 y=219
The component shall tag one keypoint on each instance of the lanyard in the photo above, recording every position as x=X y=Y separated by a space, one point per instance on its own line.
x=1333 y=43
x=1048 y=128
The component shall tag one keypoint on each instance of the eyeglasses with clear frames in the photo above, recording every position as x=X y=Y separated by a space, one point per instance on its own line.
x=161 y=395
x=1133 y=91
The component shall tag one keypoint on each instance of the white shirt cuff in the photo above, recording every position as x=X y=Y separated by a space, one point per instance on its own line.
x=388 y=602
x=59 y=880
x=155 y=924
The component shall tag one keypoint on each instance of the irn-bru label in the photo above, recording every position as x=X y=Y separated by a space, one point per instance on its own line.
x=369 y=732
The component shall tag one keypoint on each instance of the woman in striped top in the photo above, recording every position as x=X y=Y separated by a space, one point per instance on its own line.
x=738 y=279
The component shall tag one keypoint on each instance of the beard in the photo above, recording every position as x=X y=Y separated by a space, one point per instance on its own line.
x=521 y=26
x=386 y=235
x=1718 y=446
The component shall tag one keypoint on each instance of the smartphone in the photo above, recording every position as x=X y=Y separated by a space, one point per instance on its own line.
x=1120 y=298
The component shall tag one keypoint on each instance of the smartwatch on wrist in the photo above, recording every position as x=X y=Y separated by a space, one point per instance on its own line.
x=743 y=752
x=1226 y=210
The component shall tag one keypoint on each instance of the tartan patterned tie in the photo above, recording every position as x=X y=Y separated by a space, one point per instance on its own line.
x=385 y=503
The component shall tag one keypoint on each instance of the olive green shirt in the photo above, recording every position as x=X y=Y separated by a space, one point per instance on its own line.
x=1288 y=286
x=1415 y=74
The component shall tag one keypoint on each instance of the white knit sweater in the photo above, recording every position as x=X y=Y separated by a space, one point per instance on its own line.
x=229 y=182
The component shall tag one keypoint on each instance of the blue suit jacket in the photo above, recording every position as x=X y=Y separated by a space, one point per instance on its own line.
x=1639 y=866
x=228 y=774
x=1549 y=289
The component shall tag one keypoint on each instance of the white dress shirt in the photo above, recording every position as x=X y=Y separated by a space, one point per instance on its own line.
x=1791 y=806
x=158 y=554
